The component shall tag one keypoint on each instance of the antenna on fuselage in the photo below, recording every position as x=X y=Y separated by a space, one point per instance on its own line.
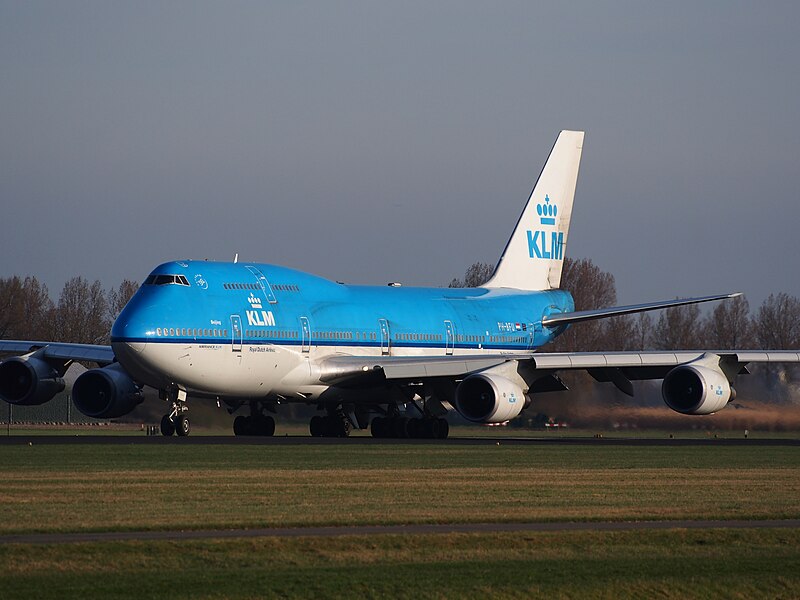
x=236 y=258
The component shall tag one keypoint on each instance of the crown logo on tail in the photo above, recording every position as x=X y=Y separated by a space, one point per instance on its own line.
x=547 y=212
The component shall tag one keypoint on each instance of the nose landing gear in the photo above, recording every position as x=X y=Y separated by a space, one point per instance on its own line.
x=176 y=421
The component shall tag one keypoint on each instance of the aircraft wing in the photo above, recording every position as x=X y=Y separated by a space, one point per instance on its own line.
x=619 y=368
x=58 y=351
x=557 y=319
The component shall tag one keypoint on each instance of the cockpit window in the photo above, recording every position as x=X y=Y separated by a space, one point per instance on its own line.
x=166 y=280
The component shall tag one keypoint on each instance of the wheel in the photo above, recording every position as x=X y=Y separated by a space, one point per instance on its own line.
x=400 y=427
x=316 y=426
x=240 y=425
x=378 y=427
x=167 y=426
x=341 y=427
x=428 y=429
x=444 y=429
x=265 y=426
x=182 y=425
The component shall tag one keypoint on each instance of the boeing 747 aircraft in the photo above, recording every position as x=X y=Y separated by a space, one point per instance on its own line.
x=396 y=359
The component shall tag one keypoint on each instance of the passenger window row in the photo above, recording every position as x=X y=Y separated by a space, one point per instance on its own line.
x=241 y=286
x=263 y=333
x=419 y=337
x=190 y=332
x=507 y=339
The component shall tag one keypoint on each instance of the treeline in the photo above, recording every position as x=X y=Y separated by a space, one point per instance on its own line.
x=775 y=325
x=83 y=312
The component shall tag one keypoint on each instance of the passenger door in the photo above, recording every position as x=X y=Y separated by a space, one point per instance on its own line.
x=385 y=343
x=449 y=337
x=236 y=333
x=305 y=335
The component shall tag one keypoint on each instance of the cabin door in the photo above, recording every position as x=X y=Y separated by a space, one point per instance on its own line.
x=449 y=337
x=236 y=333
x=384 y=326
x=305 y=335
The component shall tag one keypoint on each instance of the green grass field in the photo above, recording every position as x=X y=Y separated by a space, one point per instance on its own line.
x=118 y=487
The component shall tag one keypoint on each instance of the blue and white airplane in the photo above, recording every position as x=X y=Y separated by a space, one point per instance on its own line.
x=256 y=336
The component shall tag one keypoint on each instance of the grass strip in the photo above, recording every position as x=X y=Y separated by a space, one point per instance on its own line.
x=668 y=564
x=106 y=488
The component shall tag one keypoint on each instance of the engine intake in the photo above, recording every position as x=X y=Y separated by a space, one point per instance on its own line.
x=696 y=390
x=106 y=393
x=489 y=398
x=28 y=381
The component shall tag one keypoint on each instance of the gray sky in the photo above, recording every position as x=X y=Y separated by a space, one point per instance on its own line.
x=372 y=143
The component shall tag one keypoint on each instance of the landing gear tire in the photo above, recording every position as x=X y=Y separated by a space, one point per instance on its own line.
x=444 y=429
x=316 y=426
x=240 y=425
x=400 y=427
x=329 y=426
x=255 y=425
x=378 y=427
x=167 y=426
x=264 y=426
x=182 y=425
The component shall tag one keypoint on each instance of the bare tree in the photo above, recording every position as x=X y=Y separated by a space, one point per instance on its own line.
x=25 y=309
x=81 y=313
x=10 y=292
x=678 y=328
x=643 y=332
x=777 y=324
x=729 y=326
x=621 y=333
x=476 y=275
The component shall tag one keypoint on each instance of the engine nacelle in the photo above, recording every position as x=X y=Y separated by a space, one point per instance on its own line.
x=106 y=393
x=28 y=381
x=696 y=390
x=489 y=398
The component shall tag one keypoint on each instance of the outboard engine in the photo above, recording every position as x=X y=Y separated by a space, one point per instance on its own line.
x=28 y=380
x=696 y=389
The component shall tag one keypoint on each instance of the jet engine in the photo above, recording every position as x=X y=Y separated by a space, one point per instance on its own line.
x=696 y=390
x=27 y=381
x=489 y=398
x=106 y=393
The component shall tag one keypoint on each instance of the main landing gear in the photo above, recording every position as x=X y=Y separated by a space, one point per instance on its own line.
x=257 y=424
x=335 y=424
x=431 y=428
x=177 y=421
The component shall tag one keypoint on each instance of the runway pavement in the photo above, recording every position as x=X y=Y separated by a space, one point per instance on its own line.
x=279 y=440
x=371 y=530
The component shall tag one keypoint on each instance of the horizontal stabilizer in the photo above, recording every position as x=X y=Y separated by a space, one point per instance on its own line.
x=616 y=311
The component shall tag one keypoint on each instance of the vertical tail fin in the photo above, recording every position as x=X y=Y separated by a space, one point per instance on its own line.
x=534 y=255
